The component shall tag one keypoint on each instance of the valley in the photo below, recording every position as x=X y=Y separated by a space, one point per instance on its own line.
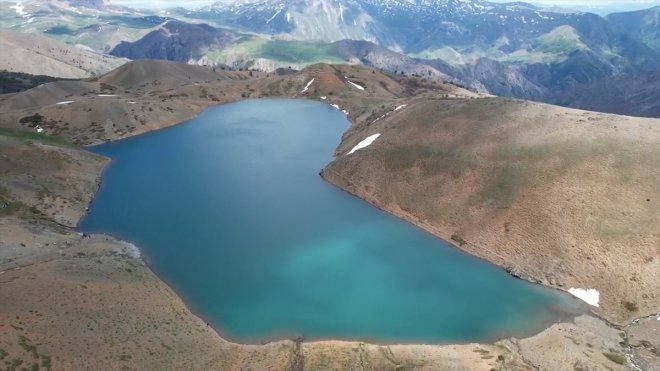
x=515 y=50
x=495 y=210
x=467 y=119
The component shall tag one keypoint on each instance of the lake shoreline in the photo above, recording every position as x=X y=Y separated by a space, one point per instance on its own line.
x=550 y=345
x=565 y=317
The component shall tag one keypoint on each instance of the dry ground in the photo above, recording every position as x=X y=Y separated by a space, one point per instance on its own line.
x=40 y=55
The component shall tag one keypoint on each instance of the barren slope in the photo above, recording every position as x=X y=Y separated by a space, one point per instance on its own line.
x=39 y=55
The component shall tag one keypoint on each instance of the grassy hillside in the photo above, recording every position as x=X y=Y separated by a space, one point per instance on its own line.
x=563 y=197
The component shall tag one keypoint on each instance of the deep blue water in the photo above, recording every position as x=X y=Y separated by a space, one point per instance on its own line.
x=230 y=211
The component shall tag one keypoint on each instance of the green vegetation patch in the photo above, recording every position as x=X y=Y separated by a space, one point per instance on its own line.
x=34 y=136
x=27 y=347
x=630 y=306
x=8 y=206
x=14 y=82
x=458 y=239
x=431 y=160
x=615 y=357
x=298 y=52
x=504 y=183
x=33 y=120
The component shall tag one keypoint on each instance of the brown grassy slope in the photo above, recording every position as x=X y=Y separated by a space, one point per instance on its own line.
x=564 y=197
x=87 y=303
x=40 y=55
x=149 y=95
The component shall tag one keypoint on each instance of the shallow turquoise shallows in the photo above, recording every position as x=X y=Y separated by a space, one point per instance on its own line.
x=229 y=209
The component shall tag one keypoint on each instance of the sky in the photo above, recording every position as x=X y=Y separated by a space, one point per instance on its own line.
x=597 y=6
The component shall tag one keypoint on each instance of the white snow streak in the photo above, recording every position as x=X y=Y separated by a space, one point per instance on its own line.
x=365 y=143
x=307 y=86
x=274 y=15
x=356 y=85
x=590 y=296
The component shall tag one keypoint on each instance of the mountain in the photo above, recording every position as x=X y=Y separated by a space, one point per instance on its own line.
x=38 y=55
x=176 y=41
x=513 y=49
x=316 y=20
x=644 y=24
x=463 y=29
x=93 y=24
x=625 y=95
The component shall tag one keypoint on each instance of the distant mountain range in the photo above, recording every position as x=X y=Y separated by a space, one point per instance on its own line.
x=514 y=49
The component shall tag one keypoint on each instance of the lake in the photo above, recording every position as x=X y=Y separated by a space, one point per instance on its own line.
x=230 y=211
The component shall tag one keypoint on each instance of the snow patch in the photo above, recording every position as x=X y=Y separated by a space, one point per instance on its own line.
x=19 y=9
x=131 y=102
x=106 y=95
x=307 y=86
x=356 y=85
x=365 y=143
x=324 y=97
x=590 y=296
x=65 y=102
x=39 y=129
x=274 y=15
x=400 y=107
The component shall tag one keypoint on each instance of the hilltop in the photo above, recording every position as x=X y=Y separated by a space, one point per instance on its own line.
x=38 y=55
x=562 y=197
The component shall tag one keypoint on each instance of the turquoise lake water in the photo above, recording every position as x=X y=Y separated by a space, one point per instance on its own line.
x=229 y=210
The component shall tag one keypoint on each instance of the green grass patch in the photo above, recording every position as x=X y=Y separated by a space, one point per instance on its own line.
x=27 y=136
x=615 y=357
x=298 y=52
x=280 y=53
x=504 y=183
x=8 y=206
x=27 y=347
x=432 y=161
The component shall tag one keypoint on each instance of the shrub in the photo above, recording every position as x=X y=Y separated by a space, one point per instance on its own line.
x=458 y=239
x=35 y=119
x=630 y=306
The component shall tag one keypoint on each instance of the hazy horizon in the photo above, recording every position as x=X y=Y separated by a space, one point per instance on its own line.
x=596 y=6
